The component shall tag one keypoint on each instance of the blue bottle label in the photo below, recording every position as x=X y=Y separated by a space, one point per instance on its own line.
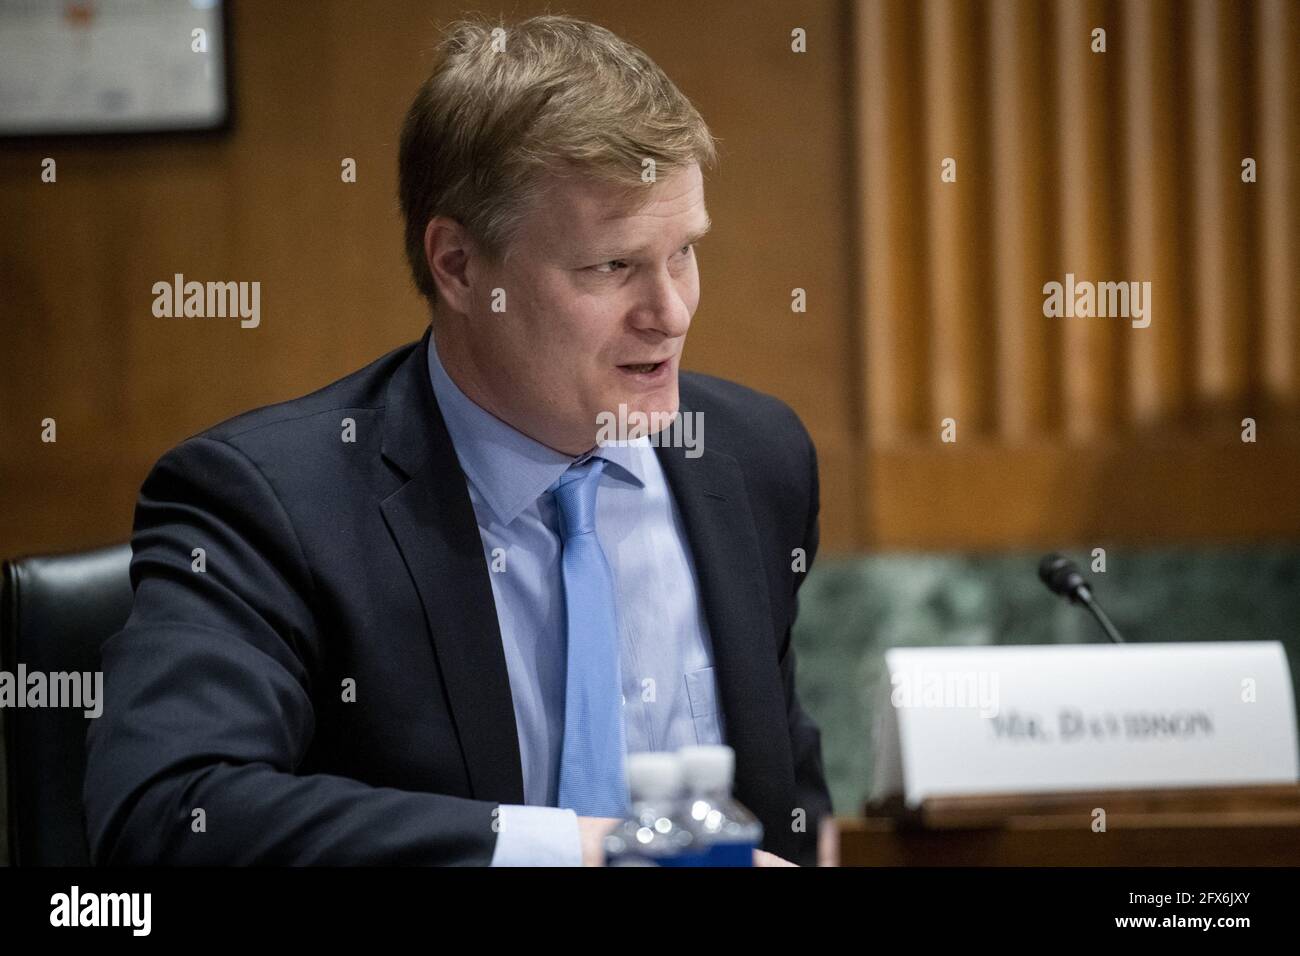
x=686 y=859
x=731 y=854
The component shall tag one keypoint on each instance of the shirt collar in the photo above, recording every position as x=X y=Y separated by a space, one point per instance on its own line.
x=509 y=469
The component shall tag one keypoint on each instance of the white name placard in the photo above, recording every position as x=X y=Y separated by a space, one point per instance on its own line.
x=971 y=720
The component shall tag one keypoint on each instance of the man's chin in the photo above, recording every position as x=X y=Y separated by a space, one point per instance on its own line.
x=631 y=417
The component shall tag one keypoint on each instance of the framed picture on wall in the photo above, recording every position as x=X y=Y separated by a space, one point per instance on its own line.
x=112 y=66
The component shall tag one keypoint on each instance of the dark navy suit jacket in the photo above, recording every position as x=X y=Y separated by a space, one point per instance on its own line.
x=332 y=689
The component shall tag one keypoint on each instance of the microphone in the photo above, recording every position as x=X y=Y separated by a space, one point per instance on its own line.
x=1062 y=577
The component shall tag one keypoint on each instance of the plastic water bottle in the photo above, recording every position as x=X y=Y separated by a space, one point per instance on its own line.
x=726 y=833
x=656 y=832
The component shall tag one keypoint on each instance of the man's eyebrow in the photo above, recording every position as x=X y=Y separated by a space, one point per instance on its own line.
x=694 y=235
x=699 y=234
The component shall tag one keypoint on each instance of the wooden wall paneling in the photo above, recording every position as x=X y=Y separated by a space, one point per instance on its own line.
x=1153 y=169
x=961 y=330
x=1098 y=430
x=895 y=299
x=1023 y=381
x=1085 y=135
x=1277 y=245
x=1221 y=283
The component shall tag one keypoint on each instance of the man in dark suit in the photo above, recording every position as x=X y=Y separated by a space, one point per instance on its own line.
x=422 y=614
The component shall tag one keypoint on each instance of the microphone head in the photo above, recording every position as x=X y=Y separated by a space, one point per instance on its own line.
x=1061 y=576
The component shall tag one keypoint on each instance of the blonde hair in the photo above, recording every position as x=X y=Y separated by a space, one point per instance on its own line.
x=563 y=97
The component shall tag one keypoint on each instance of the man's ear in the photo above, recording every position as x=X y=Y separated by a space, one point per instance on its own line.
x=447 y=251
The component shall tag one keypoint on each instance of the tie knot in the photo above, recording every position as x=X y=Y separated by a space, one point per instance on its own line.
x=575 y=497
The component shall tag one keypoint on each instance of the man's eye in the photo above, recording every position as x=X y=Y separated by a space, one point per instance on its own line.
x=622 y=263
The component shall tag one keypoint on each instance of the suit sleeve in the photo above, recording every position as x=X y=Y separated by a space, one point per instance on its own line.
x=805 y=738
x=208 y=710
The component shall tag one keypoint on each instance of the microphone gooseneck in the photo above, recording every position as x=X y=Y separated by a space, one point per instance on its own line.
x=1063 y=577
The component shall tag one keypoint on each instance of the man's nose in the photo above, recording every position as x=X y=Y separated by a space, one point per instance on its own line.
x=663 y=307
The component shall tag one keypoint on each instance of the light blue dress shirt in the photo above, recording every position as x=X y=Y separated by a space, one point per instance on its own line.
x=670 y=691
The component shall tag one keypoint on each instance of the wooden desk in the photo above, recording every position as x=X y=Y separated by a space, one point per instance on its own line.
x=1221 y=826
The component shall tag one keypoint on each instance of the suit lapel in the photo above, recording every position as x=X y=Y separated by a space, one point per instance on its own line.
x=711 y=495
x=431 y=518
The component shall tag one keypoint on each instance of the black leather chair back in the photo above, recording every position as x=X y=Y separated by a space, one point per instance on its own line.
x=55 y=614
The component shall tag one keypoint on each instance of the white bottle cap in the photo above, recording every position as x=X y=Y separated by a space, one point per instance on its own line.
x=706 y=768
x=653 y=775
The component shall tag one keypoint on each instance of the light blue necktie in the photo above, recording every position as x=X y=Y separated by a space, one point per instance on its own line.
x=592 y=777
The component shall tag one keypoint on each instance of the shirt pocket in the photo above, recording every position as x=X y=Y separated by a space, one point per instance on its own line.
x=702 y=689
